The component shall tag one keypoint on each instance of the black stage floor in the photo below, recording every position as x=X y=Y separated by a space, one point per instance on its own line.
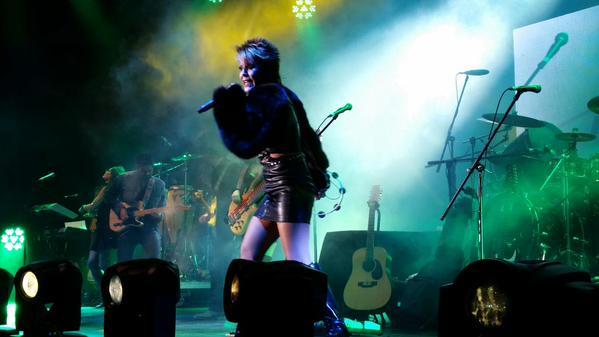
x=197 y=323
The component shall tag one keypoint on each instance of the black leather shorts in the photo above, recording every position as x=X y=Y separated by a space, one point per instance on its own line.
x=289 y=189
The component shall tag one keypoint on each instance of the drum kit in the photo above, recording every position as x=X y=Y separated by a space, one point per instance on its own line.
x=182 y=235
x=548 y=205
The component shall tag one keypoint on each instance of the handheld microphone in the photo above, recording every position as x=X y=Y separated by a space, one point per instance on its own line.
x=207 y=106
x=342 y=109
x=525 y=88
x=475 y=72
x=560 y=40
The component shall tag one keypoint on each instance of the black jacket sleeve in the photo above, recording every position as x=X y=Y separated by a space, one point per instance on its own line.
x=247 y=123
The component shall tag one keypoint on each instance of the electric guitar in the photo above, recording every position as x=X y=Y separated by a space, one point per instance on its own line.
x=239 y=215
x=210 y=207
x=369 y=286
x=131 y=219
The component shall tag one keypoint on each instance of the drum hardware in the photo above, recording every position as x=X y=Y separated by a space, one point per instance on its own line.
x=593 y=105
x=449 y=143
x=575 y=136
x=594 y=168
x=179 y=235
x=569 y=164
x=515 y=120
x=544 y=248
x=186 y=157
x=175 y=222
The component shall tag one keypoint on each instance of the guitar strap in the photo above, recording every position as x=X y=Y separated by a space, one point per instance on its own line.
x=149 y=188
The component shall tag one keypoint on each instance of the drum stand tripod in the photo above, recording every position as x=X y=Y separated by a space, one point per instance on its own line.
x=566 y=212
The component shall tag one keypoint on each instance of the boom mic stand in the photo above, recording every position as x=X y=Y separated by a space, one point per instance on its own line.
x=478 y=166
x=449 y=140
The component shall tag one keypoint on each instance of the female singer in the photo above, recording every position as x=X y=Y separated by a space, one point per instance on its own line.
x=265 y=119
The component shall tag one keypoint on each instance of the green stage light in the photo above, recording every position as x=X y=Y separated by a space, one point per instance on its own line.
x=304 y=9
x=13 y=239
x=215 y=1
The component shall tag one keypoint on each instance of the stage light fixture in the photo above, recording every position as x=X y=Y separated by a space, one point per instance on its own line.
x=48 y=298
x=13 y=238
x=501 y=298
x=6 y=283
x=289 y=294
x=140 y=298
x=304 y=9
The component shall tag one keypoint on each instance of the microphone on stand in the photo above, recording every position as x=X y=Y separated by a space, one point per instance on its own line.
x=560 y=40
x=475 y=72
x=342 y=109
x=526 y=88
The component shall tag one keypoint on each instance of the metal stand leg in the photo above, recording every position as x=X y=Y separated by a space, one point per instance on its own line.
x=481 y=247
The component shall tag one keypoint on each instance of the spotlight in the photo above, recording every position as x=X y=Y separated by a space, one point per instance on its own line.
x=288 y=294
x=140 y=298
x=304 y=9
x=48 y=298
x=501 y=298
x=13 y=238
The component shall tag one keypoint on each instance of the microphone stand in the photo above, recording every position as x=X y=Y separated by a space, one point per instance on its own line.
x=333 y=118
x=314 y=226
x=478 y=166
x=449 y=141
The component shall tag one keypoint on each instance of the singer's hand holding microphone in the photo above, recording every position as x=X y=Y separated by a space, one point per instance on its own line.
x=225 y=97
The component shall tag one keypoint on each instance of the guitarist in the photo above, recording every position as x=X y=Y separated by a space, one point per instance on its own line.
x=102 y=239
x=251 y=171
x=140 y=190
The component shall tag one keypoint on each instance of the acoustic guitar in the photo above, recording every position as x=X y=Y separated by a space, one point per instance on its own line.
x=369 y=286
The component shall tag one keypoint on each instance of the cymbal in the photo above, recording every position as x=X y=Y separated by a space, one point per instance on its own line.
x=186 y=157
x=516 y=120
x=575 y=136
x=159 y=164
x=593 y=105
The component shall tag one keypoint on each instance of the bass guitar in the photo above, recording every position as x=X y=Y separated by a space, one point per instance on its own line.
x=369 y=286
x=239 y=214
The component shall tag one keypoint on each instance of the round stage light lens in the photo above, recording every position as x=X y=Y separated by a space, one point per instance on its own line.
x=29 y=284
x=115 y=289
x=235 y=289
x=489 y=306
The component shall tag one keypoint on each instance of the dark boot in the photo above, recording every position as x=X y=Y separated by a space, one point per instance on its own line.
x=333 y=321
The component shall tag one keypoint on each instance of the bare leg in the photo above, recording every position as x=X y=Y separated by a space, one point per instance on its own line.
x=258 y=237
x=295 y=238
